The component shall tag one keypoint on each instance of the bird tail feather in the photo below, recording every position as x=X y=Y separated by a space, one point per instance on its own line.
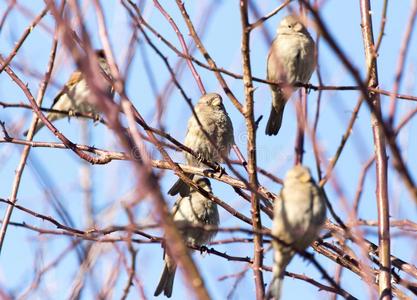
x=50 y=116
x=277 y=111
x=274 y=121
x=180 y=187
x=274 y=290
x=166 y=282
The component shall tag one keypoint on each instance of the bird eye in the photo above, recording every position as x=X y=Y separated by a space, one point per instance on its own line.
x=289 y=26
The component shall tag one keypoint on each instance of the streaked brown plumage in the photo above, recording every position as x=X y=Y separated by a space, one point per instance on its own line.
x=291 y=59
x=298 y=216
x=74 y=95
x=217 y=124
x=193 y=209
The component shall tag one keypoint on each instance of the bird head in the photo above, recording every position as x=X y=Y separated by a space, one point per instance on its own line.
x=204 y=183
x=291 y=24
x=299 y=173
x=212 y=100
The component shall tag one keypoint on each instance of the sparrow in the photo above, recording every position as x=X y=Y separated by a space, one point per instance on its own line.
x=216 y=123
x=291 y=59
x=298 y=216
x=194 y=209
x=74 y=95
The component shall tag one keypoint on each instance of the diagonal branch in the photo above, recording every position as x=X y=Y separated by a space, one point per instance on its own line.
x=25 y=153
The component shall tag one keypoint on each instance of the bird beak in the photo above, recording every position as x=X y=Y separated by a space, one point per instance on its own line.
x=305 y=177
x=298 y=27
x=217 y=102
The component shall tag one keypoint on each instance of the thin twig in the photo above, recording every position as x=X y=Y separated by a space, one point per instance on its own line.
x=398 y=161
x=26 y=150
x=268 y=16
x=19 y=43
x=405 y=45
x=183 y=45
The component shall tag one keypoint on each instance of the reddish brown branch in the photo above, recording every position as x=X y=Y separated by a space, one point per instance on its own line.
x=251 y=148
x=264 y=81
x=343 y=142
x=206 y=55
x=301 y=109
x=183 y=45
x=146 y=178
x=26 y=150
x=382 y=26
x=384 y=277
x=261 y=20
x=401 y=61
x=19 y=43
x=398 y=161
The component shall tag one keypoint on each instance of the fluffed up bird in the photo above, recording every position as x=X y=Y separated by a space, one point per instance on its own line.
x=291 y=59
x=298 y=217
x=74 y=95
x=216 y=123
x=194 y=209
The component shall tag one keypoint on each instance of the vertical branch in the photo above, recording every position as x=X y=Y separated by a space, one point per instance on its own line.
x=317 y=114
x=86 y=178
x=251 y=144
x=301 y=108
x=380 y=155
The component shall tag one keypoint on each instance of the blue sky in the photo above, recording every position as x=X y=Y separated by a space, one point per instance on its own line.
x=113 y=183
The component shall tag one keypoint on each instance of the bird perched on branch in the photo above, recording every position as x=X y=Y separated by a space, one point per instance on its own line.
x=211 y=136
x=194 y=209
x=291 y=59
x=74 y=95
x=298 y=217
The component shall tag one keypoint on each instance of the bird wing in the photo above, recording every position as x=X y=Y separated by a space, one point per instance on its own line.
x=271 y=74
x=298 y=67
x=176 y=206
x=74 y=78
x=280 y=62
